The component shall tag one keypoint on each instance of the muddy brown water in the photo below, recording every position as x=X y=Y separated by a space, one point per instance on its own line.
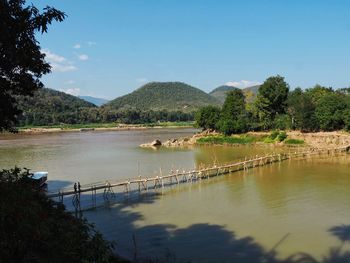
x=284 y=208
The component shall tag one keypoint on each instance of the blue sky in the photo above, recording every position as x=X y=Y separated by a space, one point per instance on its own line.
x=109 y=48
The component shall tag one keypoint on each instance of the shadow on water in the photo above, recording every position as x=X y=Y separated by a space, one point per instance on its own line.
x=341 y=232
x=196 y=243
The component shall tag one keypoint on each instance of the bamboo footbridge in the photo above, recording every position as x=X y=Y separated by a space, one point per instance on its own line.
x=106 y=189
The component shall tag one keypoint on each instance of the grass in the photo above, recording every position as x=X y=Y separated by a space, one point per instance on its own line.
x=294 y=141
x=220 y=139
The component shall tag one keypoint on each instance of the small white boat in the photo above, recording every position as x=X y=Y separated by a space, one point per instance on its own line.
x=39 y=178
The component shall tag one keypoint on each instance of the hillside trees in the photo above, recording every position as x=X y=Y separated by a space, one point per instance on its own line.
x=21 y=64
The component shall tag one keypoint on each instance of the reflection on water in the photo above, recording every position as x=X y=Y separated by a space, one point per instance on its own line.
x=239 y=217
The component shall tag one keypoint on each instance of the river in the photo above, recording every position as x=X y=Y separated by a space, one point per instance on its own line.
x=284 y=208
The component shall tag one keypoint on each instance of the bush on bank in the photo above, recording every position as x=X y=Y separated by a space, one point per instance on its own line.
x=34 y=228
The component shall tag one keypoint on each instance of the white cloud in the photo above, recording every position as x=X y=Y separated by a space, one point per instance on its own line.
x=141 y=80
x=83 y=57
x=55 y=67
x=58 y=63
x=243 y=83
x=72 y=91
x=52 y=57
x=77 y=46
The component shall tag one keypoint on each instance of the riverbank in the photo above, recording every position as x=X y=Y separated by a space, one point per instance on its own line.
x=287 y=138
x=102 y=127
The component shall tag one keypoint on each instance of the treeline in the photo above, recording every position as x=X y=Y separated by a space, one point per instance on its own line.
x=86 y=115
x=50 y=107
x=276 y=107
x=137 y=116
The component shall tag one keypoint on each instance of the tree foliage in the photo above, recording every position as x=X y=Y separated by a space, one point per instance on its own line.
x=315 y=109
x=207 y=117
x=34 y=228
x=271 y=99
x=329 y=111
x=301 y=110
x=21 y=64
x=233 y=113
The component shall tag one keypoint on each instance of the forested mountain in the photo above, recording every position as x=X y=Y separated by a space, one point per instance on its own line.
x=49 y=106
x=172 y=96
x=94 y=100
x=220 y=92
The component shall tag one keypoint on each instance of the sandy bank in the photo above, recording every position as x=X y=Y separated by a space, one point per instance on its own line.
x=314 y=140
x=117 y=128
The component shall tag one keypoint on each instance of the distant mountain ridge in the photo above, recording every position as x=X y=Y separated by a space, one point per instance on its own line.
x=171 y=96
x=220 y=92
x=94 y=100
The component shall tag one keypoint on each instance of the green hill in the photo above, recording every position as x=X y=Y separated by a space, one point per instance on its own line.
x=48 y=107
x=171 y=96
x=220 y=92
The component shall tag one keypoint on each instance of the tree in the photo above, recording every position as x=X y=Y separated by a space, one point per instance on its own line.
x=329 y=111
x=233 y=113
x=271 y=99
x=207 y=117
x=317 y=92
x=36 y=229
x=301 y=109
x=21 y=62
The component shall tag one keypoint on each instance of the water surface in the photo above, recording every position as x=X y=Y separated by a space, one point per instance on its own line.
x=284 y=208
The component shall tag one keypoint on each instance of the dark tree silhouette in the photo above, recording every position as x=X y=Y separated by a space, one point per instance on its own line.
x=21 y=62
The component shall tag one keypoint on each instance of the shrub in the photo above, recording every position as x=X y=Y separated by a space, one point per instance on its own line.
x=36 y=229
x=274 y=135
x=282 y=136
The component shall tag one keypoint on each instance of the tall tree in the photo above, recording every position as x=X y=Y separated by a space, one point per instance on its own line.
x=301 y=110
x=271 y=99
x=329 y=111
x=21 y=62
x=233 y=113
